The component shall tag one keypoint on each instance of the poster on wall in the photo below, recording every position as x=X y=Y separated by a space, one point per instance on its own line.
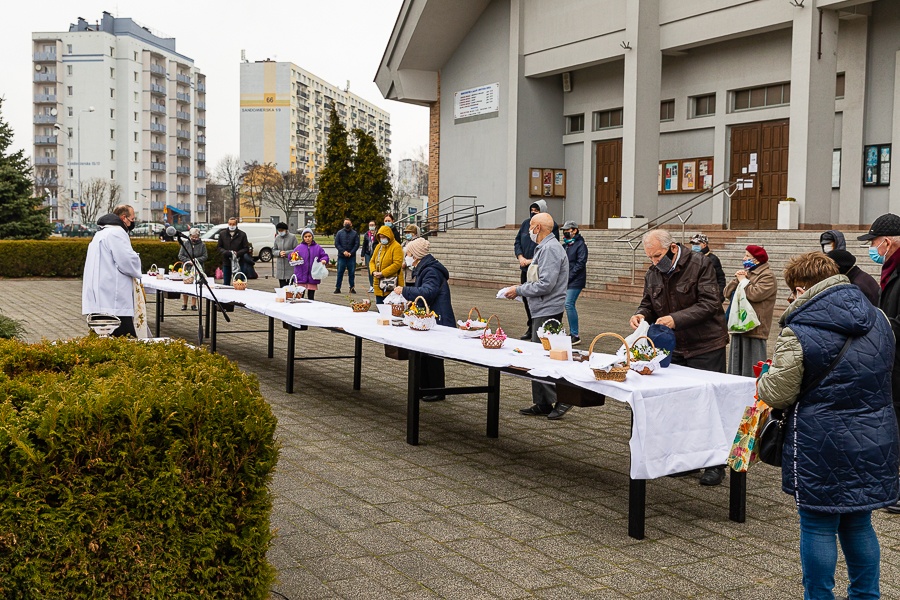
x=836 y=168
x=671 y=181
x=704 y=172
x=482 y=100
x=877 y=168
x=870 y=174
x=559 y=183
x=547 y=183
x=688 y=175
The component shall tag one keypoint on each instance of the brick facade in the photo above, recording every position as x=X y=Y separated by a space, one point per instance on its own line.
x=434 y=159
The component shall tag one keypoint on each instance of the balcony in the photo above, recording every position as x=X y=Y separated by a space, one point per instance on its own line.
x=157 y=147
x=181 y=78
x=303 y=107
x=201 y=191
x=201 y=87
x=201 y=139
x=182 y=116
x=303 y=133
x=303 y=95
x=45 y=57
x=201 y=208
x=41 y=140
x=45 y=98
x=183 y=97
x=182 y=134
x=183 y=152
x=51 y=201
x=158 y=69
x=157 y=205
x=44 y=119
x=44 y=77
x=201 y=105
x=158 y=186
x=201 y=174
x=46 y=160
x=46 y=181
x=157 y=89
x=186 y=206
x=157 y=127
x=183 y=170
x=159 y=109
x=158 y=166
x=201 y=122
x=183 y=189
x=201 y=157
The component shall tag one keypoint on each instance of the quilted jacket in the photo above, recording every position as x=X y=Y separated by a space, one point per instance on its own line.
x=841 y=451
x=431 y=284
x=761 y=292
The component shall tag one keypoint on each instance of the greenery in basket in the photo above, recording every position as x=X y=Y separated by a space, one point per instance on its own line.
x=420 y=312
x=553 y=327
x=645 y=352
x=112 y=488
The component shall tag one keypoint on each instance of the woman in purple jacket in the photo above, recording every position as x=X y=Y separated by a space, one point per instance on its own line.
x=308 y=251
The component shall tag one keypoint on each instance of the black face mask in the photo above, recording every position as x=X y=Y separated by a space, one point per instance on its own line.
x=131 y=227
x=347 y=226
x=567 y=235
x=665 y=263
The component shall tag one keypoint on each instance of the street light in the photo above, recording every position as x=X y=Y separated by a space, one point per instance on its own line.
x=89 y=109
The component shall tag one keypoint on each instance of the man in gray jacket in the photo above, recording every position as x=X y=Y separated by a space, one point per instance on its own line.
x=545 y=287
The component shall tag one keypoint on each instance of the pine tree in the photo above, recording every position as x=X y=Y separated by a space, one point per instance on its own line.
x=334 y=191
x=370 y=183
x=21 y=215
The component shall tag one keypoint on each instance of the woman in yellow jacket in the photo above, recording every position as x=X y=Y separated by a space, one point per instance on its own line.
x=386 y=263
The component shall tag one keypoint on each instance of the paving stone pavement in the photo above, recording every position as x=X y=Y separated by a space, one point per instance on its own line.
x=540 y=512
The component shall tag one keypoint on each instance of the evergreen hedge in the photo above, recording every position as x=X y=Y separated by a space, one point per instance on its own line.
x=64 y=257
x=132 y=470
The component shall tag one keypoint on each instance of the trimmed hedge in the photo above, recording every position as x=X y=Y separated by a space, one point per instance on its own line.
x=132 y=470
x=64 y=257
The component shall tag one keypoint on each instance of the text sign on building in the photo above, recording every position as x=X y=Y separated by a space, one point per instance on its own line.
x=476 y=101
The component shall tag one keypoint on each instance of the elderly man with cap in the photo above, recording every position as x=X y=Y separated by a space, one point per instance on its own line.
x=749 y=347
x=432 y=284
x=700 y=243
x=524 y=248
x=577 y=253
x=884 y=240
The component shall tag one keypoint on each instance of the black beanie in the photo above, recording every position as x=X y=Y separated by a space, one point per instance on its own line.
x=844 y=260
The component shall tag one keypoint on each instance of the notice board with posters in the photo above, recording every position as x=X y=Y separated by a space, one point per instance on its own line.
x=684 y=175
x=546 y=182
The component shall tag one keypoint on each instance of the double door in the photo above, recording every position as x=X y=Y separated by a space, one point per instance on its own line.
x=766 y=146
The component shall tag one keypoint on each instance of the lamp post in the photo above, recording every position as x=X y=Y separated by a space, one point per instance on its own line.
x=89 y=109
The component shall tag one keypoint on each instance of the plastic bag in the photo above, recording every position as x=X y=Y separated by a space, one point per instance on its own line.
x=318 y=271
x=741 y=316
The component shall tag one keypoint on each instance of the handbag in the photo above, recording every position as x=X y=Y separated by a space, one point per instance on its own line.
x=771 y=437
x=387 y=284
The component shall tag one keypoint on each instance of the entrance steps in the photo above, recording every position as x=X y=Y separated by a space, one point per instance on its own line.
x=484 y=258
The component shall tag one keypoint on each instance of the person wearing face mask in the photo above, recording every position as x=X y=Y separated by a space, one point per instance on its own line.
x=389 y=222
x=432 y=284
x=832 y=240
x=112 y=273
x=577 y=253
x=680 y=292
x=749 y=348
x=700 y=243
x=409 y=234
x=308 y=251
x=386 y=264
x=524 y=248
x=846 y=262
x=198 y=251
x=884 y=240
x=367 y=249
x=233 y=244
x=285 y=242
x=346 y=242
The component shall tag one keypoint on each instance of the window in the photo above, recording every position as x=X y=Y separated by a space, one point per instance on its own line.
x=69 y=69
x=112 y=51
x=112 y=113
x=135 y=176
x=135 y=117
x=759 y=97
x=71 y=112
x=112 y=73
x=135 y=75
x=135 y=56
x=607 y=119
x=667 y=110
x=135 y=96
x=112 y=174
x=135 y=157
x=839 y=83
x=69 y=90
x=70 y=152
x=112 y=92
x=68 y=48
x=135 y=136
x=71 y=173
x=112 y=134
x=704 y=106
x=575 y=123
x=70 y=132
x=112 y=155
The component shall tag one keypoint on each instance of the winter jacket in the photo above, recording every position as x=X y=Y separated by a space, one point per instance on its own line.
x=235 y=241
x=866 y=283
x=547 y=295
x=523 y=244
x=368 y=243
x=720 y=272
x=761 y=292
x=346 y=241
x=889 y=303
x=577 y=253
x=110 y=268
x=198 y=248
x=309 y=254
x=431 y=284
x=283 y=268
x=841 y=451
x=388 y=259
x=690 y=295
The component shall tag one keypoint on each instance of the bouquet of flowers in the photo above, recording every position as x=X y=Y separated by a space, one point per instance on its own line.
x=418 y=318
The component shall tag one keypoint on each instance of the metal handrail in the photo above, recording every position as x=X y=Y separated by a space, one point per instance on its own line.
x=633 y=236
x=414 y=217
x=445 y=222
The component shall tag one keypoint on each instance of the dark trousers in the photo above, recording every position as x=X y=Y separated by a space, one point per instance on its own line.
x=283 y=282
x=527 y=309
x=126 y=327
x=711 y=361
x=310 y=294
x=226 y=271
x=346 y=263
x=543 y=394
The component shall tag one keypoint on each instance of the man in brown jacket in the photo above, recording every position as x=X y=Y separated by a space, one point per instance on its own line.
x=681 y=292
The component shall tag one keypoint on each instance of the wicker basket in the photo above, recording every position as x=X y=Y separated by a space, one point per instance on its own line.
x=645 y=370
x=189 y=275
x=545 y=342
x=420 y=323
x=239 y=284
x=472 y=332
x=492 y=341
x=290 y=290
x=361 y=306
x=397 y=310
x=617 y=372
x=173 y=272
x=153 y=270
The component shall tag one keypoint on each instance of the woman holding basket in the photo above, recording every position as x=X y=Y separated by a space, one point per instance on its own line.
x=307 y=253
x=432 y=285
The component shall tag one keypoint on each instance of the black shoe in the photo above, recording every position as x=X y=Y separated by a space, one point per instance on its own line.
x=534 y=411
x=576 y=340
x=559 y=411
x=336 y=292
x=193 y=308
x=432 y=398
x=527 y=336
x=352 y=290
x=184 y=307
x=894 y=509
x=713 y=476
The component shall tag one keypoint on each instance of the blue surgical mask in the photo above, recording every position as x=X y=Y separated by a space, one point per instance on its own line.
x=749 y=264
x=697 y=248
x=876 y=258
x=408 y=236
x=384 y=241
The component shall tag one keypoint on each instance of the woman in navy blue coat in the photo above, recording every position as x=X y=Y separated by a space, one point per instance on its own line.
x=431 y=284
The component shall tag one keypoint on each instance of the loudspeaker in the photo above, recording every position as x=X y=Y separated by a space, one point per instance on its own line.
x=567 y=81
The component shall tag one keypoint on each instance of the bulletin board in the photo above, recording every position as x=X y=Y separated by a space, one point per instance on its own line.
x=546 y=183
x=877 y=167
x=684 y=175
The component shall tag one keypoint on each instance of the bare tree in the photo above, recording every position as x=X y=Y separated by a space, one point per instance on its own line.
x=93 y=198
x=289 y=192
x=257 y=179
x=229 y=173
x=114 y=193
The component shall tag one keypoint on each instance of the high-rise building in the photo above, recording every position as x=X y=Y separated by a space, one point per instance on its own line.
x=115 y=103
x=285 y=115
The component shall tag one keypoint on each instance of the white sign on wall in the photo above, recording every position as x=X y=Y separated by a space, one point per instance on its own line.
x=476 y=101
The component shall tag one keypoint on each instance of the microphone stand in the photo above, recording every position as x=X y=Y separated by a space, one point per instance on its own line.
x=199 y=281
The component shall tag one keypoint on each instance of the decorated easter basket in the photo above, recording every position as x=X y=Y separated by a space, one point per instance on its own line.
x=239 y=284
x=188 y=272
x=496 y=339
x=472 y=327
x=397 y=310
x=419 y=319
x=175 y=271
x=618 y=371
x=362 y=305
x=545 y=341
x=639 y=355
x=153 y=271
x=293 y=291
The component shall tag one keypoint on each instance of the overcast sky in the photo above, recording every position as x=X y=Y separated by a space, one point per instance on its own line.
x=337 y=40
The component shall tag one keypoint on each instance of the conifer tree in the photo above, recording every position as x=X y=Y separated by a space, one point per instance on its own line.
x=370 y=183
x=334 y=179
x=21 y=215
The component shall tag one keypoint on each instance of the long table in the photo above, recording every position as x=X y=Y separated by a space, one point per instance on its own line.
x=682 y=418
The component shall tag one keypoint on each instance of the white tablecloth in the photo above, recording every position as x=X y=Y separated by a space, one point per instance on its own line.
x=683 y=418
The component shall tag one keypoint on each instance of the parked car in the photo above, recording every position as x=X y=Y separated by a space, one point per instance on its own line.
x=79 y=230
x=147 y=230
x=260 y=235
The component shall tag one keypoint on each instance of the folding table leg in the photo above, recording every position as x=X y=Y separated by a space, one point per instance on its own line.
x=412 y=398
x=493 y=404
x=289 y=370
x=213 y=326
x=737 y=497
x=206 y=317
x=637 y=499
x=271 y=337
x=159 y=297
x=357 y=362
x=162 y=307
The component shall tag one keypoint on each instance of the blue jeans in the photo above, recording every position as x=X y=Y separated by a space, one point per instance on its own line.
x=347 y=263
x=818 y=554
x=366 y=260
x=571 y=313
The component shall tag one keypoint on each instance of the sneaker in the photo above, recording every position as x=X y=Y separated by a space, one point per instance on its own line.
x=713 y=476
x=371 y=289
x=184 y=307
x=576 y=340
x=193 y=308
x=336 y=292
x=559 y=411
x=534 y=411
x=352 y=290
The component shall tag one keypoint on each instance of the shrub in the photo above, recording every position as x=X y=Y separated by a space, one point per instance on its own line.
x=64 y=257
x=10 y=329
x=131 y=470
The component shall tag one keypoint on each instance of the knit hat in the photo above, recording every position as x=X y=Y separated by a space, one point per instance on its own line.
x=418 y=248
x=759 y=253
x=700 y=239
x=844 y=260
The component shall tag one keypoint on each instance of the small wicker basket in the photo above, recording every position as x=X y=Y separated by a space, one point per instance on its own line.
x=153 y=270
x=361 y=306
x=492 y=341
x=239 y=284
x=397 y=310
x=188 y=271
x=617 y=372
x=417 y=323
x=545 y=342
x=290 y=290
x=645 y=370
x=173 y=272
x=472 y=332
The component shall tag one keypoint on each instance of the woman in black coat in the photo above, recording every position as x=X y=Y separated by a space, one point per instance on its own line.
x=431 y=284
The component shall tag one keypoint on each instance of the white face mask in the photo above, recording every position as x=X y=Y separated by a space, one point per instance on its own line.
x=826 y=248
x=384 y=241
x=533 y=236
x=282 y=233
x=371 y=228
x=232 y=227
x=409 y=261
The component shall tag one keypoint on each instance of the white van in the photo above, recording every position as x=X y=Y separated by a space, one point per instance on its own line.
x=260 y=235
